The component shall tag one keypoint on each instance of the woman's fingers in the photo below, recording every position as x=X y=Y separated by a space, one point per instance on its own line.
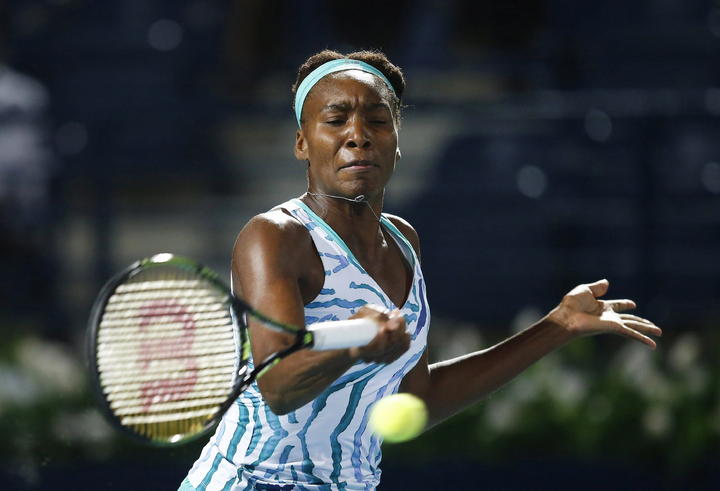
x=643 y=328
x=598 y=288
x=632 y=321
x=629 y=332
x=392 y=339
x=637 y=319
x=620 y=305
x=633 y=334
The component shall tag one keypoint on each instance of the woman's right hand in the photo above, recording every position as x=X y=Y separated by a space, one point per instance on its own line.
x=392 y=339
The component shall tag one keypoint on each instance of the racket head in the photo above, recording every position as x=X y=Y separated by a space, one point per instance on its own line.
x=167 y=347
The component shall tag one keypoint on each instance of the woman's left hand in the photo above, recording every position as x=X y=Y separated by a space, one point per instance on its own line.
x=582 y=313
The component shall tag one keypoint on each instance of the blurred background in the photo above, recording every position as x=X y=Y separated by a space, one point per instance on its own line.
x=545 y=143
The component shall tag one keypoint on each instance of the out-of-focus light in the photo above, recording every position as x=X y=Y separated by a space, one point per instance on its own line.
x=165 y=35
x=598 y=125
x=531 y=181
x=657 y=420
x=713 y=22
x=163 y=257
x=684 y=353
x=71 y=138
x=86 y=426
x=501 y=415
x=710 y=177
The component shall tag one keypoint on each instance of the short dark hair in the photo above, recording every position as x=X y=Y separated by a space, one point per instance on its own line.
x=375 y=58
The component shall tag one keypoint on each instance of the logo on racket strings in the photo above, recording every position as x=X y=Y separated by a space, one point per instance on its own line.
x=171 y=350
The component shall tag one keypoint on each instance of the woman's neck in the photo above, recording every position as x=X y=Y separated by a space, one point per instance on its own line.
x=355 y=219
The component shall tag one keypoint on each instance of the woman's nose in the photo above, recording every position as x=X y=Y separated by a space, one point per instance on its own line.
x=358 y=136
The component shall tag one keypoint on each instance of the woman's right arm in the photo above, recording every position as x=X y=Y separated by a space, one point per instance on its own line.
x=271 y=257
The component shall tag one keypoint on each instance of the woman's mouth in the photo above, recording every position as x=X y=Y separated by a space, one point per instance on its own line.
x=358 y=165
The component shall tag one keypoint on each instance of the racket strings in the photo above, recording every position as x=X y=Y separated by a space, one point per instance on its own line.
x=125 y=351
x=146 y=371
x=166 y=353
x=208 y=388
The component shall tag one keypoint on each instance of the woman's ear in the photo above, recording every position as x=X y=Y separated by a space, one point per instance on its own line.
x=301 y=152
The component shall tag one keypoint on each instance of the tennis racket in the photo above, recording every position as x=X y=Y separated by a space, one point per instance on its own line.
x=169 y=349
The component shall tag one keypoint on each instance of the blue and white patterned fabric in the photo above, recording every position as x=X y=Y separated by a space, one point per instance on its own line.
x=325 y=444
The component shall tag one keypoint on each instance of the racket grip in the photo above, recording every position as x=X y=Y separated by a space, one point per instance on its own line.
x=343 y=334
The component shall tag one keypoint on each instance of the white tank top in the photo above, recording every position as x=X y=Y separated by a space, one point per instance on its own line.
x=325 y=444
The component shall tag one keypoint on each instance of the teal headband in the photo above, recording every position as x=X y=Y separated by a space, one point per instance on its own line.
x=328 y=68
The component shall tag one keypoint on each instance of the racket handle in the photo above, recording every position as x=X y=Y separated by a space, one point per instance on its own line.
x=343 y=334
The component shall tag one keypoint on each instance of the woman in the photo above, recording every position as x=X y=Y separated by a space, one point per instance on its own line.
x=332 y=254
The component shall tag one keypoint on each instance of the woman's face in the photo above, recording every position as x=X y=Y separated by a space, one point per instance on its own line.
x=349 y=135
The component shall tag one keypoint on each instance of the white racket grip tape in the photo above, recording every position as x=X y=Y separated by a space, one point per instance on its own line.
x=343 y=334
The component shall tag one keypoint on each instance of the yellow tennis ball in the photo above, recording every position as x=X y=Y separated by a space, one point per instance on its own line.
x=399 y=417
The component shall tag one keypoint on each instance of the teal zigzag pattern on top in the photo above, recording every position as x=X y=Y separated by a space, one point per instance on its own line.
x=325 y=444
x=380 y=296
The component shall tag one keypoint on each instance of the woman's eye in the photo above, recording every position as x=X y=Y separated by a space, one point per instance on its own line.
x=335 y=122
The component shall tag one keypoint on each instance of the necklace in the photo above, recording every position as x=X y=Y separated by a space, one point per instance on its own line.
x=357 y=199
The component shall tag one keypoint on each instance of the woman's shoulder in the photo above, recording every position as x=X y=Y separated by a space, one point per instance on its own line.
x=275 y=231
x=406 y=229
x=276 y=247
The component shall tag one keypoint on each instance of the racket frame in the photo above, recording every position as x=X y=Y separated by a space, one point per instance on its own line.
x=243 y=377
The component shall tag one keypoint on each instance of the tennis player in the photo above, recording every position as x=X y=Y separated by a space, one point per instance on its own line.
x=332 y=254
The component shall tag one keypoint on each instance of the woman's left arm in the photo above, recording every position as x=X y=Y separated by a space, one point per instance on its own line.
x=450 y=386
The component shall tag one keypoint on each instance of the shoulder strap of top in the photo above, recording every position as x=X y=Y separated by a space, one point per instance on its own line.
x=402 y=241
x=310 y=220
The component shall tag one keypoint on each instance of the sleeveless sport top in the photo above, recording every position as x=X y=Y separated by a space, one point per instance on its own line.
x=325 y=444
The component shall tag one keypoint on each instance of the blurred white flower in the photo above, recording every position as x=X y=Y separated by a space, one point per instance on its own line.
x=51 y=365
x=684 y=353
x=570 y=388
x=644 y=377
x=16 y=388
x=696 y=379
x=658 y=388
x=87 y=426
x=634 y=362
x=501 y=414
x=522 y=390
x=566 y=386
x=657 y=420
